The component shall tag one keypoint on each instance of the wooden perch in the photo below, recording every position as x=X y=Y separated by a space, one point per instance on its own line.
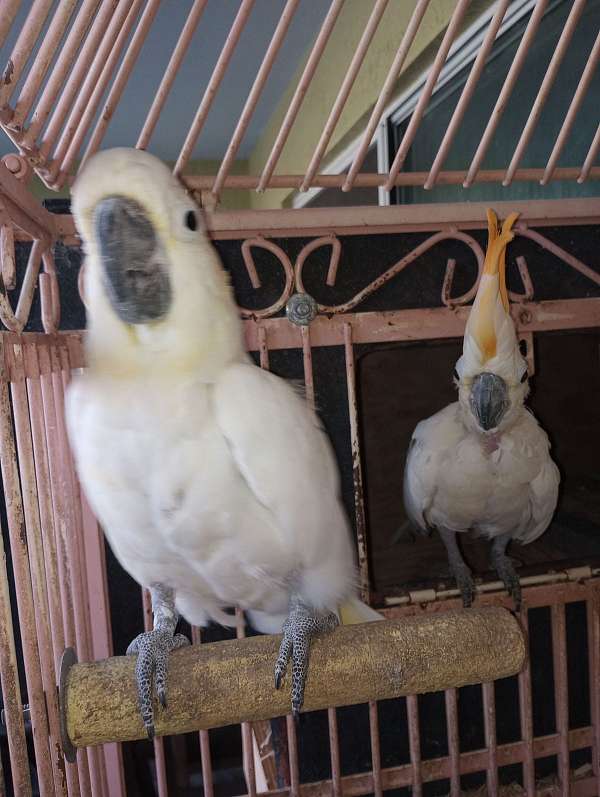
x=229 y=682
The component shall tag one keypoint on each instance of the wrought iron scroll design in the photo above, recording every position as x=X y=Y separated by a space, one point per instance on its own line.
x=294 y=273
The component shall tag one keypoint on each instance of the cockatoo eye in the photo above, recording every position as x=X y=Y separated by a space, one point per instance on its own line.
x=191 y=222
x=525 y=375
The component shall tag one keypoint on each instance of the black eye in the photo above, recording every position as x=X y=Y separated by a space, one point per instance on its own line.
x=190 y=220
x=456 y=376
x=524 y=377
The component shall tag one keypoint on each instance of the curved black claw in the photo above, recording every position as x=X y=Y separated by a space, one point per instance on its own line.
x=298 y=630
x=152 y=649
x=508 y=574
x=466 y=585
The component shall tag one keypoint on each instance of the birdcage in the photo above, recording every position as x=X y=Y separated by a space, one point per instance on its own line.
x=380 y=131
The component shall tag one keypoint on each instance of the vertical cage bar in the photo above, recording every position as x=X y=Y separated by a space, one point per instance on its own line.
x=59 y=71
x=122 y=76
x=593 y=633
x=205 y=757
x=561 y=694
x=412 y=710
x=59 y=514
x=426 y=92
x=159 y=741
x=263 y=348
x=23 y=48
x=39 y=68
x=60 y=109
x=450 y=697
x=375 y=748
x=334 y=751
x=506 y=90
x=247 y=747
x=580 y=92
x=344 y=91
x=307 y=363
x=300 y=92
x=293 y=756
x=11 y=689
x=526 y=718
x=23 y=590
x=386 y=91
x=359 y=504
x=9 y=12
x=590 y=157
x=73 y=535
x=33 y=531
x=177 y=56
x=255 y=92
x=213 y=84
x=467 y=93
x=544 y=90
x=489 y=724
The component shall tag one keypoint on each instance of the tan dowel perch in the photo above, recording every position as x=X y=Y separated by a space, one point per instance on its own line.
x=231 y=682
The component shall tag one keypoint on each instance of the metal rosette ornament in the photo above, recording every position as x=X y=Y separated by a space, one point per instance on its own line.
x=301 y=309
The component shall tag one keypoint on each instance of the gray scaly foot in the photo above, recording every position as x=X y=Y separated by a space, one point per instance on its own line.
x=459 y=568
x=505 y=569
x=152 y=649
x=302 y=624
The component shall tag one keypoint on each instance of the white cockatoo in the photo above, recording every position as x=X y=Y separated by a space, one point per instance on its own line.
x=483 y=463
x=212 y=479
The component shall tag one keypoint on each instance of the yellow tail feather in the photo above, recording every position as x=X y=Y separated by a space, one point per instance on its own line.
x=354 y=611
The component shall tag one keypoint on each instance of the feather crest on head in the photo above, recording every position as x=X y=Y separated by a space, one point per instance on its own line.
x=490 y=342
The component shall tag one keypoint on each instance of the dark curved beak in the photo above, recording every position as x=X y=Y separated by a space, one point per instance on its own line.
x=135 y=267
x=489 y=400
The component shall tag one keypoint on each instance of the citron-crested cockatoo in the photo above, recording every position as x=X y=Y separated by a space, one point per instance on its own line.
x=483 y=463
x=213 y=479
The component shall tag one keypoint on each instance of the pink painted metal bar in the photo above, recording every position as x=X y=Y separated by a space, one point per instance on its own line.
x=565 y=131
x=309 y=386
x=62 y=164
x=11 y=690
x=185 y=38
x=412 y=711
x=158 y=741
x=544 y=90
x=427 y=91
x=293 y=756
x=359 y=506
x=246 y=727
x=60 y=109
x=123 y=74
x=593 y=641
x=263 y=348
x=73 y=536
x=23 y=48
x=526 y=717
x=9 y=12
x=467 y=93
x=561 y=695
x=33 y=530
x=94 y=84
x=590 y=157
x=300 y=92
x=24 y=593
x=7 y=257
x=506 y=90
x=334 y=752
x=450 y=697
x=59 y=511
x=213 y=85
x=344 y=92
x=205 y=757
x=45 y=54
x=255 y=92
x=386 y=91
x=59 y=71
x=375 y=749
x=489 y=724
x=42 y=476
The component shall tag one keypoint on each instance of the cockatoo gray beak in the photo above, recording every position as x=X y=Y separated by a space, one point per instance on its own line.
x=489 y=399
x=135 y=267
